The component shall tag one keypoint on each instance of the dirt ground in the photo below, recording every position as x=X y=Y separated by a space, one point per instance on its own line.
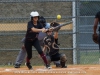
x=40 y=70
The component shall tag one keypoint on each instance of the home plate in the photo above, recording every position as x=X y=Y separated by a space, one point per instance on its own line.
x=42 y=69
x=7 y=69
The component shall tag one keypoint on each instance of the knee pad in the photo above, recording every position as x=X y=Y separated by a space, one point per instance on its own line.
x=63 y=58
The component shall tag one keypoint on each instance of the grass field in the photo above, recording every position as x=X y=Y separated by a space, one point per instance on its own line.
x=89 y=57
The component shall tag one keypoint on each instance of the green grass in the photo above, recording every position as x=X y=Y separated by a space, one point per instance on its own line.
x=90 y=57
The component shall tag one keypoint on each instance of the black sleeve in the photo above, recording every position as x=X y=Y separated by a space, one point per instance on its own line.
x=56 y=41
x=52 y=38
x=30 y=25
x=97 y=15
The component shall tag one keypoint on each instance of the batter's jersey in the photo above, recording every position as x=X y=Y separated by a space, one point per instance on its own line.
x=30 y=35
x=41 y=34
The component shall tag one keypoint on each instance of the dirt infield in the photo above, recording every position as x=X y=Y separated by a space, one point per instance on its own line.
x=40 y=70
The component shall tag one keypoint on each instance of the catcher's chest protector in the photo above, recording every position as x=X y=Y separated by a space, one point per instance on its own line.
x=51 y=46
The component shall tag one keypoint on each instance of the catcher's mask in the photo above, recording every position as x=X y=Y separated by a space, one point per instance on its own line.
x=54 y=24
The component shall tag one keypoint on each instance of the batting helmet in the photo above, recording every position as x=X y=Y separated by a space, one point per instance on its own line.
x=34 y=14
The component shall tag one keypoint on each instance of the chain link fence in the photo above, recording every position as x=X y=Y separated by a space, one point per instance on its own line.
x=88 y=51
x=75 y=39
x=14 y=16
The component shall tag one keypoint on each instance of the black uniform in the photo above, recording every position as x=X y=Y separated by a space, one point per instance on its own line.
x=98 y=16
x=32 y=40
x=52 y=47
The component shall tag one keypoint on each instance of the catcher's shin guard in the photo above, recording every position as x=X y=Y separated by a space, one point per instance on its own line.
x=63 y=65
x=63 y=60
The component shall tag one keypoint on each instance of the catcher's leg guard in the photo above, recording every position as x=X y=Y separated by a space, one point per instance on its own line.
x=63 y=60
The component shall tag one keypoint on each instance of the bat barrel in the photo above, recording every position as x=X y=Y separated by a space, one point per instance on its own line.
x=65 y=23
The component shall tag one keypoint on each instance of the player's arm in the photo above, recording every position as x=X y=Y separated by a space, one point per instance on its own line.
x=56 y=37
x=44 y=48
x=33 y=29
x=38 y=30
x=96 y=21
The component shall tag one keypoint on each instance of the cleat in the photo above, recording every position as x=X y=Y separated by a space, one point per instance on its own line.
x=64 y=67
x=48 y=66
x=17 y=65
x=29 y=66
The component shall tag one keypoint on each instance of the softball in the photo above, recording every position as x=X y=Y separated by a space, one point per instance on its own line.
x=58 y=17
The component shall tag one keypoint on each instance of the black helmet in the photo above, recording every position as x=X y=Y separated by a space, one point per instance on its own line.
x=42 y=21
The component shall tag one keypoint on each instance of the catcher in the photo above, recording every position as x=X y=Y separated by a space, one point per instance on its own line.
x=52 y=49
x=95 y=36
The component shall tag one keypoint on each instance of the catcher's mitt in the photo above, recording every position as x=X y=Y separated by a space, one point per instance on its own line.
x=95 y=38
x=55 y=24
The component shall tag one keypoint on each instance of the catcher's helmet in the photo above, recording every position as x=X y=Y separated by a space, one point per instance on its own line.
x=55 y=24
x=42 y=20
